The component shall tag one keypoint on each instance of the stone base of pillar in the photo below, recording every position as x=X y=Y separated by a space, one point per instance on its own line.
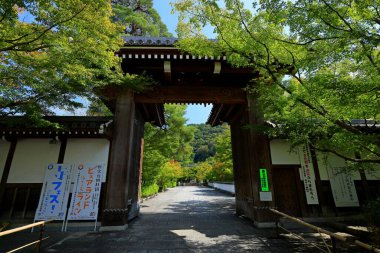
x=113 y=228
x=264 y=224
x=115 y=217
x=134 y=211
x=261 y=215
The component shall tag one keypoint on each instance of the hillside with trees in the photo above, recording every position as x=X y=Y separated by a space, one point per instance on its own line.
x=204 y=141
x=219 y=166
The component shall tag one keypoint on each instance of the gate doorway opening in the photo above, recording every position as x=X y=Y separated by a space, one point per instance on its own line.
x=185 y=153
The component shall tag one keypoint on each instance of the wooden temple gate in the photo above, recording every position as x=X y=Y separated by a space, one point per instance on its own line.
x=182 y=78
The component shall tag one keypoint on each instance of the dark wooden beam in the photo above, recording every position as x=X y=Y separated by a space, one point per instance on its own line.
x=146 y=112
x=167 y=72
x=7 y=168
x=230 y=109
x=178 y=94
x=160 y=115
x=215 y=115
x=62 y=150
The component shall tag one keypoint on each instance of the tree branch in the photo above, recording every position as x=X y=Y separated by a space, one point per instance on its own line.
x=309 y=41
x=338 y=14
x=356 y=160
x=322 y=113
x=15 y=45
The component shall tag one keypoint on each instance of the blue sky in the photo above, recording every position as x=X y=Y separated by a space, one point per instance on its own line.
x=195 y=114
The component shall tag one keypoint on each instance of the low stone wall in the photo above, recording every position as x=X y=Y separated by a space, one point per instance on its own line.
x=226 y=187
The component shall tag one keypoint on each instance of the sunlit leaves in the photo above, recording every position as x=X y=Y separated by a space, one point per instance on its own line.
x=319 y=65
x=62 y=51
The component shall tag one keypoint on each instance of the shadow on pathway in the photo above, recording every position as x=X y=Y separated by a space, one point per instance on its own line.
x=182 y=219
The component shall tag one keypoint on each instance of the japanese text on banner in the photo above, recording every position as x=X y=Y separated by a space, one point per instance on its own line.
x=55 y=193
x=307 y=174
x=85 y=200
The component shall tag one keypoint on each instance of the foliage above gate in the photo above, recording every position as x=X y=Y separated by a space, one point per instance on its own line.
x=54 y=51
x=319 y=64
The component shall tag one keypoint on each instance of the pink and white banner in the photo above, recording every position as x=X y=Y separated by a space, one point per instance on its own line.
x=86 y=192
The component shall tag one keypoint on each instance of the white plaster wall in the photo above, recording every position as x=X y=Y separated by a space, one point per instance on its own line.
x=281 y=153
x=81 y=151
x=332 y=160
x=30 y=160
x=225 y=187
x=4 y=148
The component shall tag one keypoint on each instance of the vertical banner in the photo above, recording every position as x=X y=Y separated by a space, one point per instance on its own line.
x=54 y=193
x=264 y=180
x=86 y=192
x=342 y=186
x=308 y=176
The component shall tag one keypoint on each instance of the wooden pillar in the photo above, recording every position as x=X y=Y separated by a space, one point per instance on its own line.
x=364 y=182
x=141 y=168
x=135 y=170
x=242 y=173
x=323 y=203
x=62 y=150
x=115 y=212
x=365 y=185
x=7 y=168
x=251 y=151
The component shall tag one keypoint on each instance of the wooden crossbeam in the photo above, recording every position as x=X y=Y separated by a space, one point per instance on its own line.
x=198 y=94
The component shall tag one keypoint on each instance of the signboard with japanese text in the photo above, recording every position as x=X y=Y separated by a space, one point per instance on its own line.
x=86 y=192
x=307 y=175
x=55 y=193
x=264 y=180
x=342 y=187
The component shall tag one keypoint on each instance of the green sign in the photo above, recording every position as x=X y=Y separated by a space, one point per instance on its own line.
x=264 y=180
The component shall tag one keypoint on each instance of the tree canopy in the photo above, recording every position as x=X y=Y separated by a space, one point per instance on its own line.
x=54 y=51
x=319 y=65
x=139 y=18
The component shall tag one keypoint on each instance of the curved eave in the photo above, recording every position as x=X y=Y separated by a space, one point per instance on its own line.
x=221 y=113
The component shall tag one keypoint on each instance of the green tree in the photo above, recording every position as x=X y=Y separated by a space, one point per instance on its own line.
x=220 y=172
x=221 y=164
x=164 y=145
x=202 y=153
x=62 y=51
x=203 y=170
x=223 y=148
x=204 y=141
x=169 y=174
x=319 y=64
x=139 y=18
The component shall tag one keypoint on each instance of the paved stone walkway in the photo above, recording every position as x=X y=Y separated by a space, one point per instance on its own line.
x=183 y=219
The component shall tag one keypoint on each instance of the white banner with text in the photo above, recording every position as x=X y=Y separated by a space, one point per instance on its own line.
x=55 y=193
x=308 y=176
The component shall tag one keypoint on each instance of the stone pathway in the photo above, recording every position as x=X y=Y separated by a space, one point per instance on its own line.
x=182 y=219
